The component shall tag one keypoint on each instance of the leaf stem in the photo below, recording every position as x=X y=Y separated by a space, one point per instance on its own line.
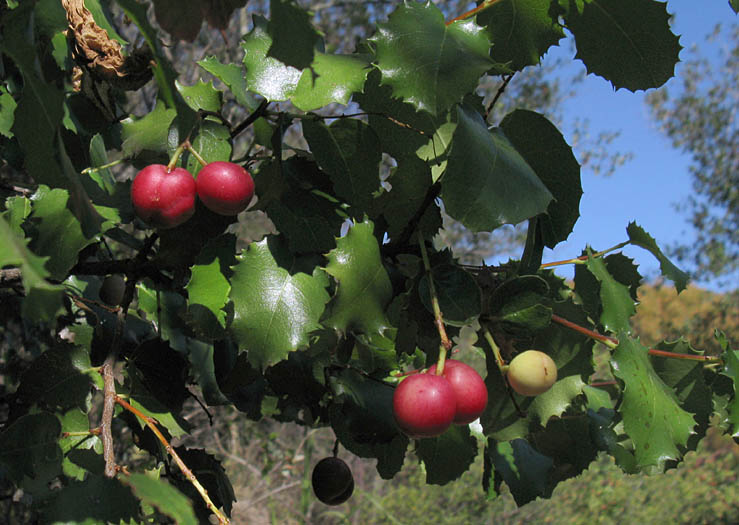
x=152 y=424
x=583 y=258
x=95 y=169
x=496 y=351
x=446 y=344
x=612 y=343
x=472 y=12
x=176 y=156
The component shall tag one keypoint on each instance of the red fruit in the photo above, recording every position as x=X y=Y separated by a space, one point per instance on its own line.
x=469 y=390
x=225 y=188
x=424 y=405
x=163 y=199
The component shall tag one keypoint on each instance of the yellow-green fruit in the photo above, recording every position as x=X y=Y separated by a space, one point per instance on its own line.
x=532 y=373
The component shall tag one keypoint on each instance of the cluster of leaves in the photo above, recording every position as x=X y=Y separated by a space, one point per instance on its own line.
x=310 y=324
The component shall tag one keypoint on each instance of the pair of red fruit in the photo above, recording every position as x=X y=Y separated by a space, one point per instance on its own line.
x=426 y=404
x=165 y=198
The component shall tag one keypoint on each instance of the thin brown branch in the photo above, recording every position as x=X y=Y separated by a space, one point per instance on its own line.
x=106 y=434
x=152 y=424
x=472 y=12
x=498 y=94
x=250 y=119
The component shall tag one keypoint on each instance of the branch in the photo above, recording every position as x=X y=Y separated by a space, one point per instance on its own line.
x=472 y=12
x=106 y=433
x=251 y=118
x=152 y=424
x=498 y=94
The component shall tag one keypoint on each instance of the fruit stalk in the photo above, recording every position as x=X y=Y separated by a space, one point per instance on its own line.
x=195 y=153
x=446 y=344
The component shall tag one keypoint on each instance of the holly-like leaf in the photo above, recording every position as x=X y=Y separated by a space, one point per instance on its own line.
x=293 y=36
x=557 y=399
x=544 y=148
x=58 y=379
x=448 y=456
x=29 y=446
x=730 y=358
x=182 y=18
x=349 y=151
x=460 y=298
x=148 y=133
x=521 y=31
x=201 y=95
x=427 y=63
x=734 y=5
x=639 y=237
x=522 y=467
x=232 y=75
x=162 y=496
x=628 y=42
x=273 y=311
x=364 y=288
x=265 y=75
x=208 y=288
x=652 y=416
x=141 y=398
x=56 y=232
x=43 y=300
x=331 y=78
x=687 y=379
x=487 y=182
x=618 y=305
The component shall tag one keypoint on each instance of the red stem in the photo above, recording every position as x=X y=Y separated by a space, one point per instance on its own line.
x=472 y=12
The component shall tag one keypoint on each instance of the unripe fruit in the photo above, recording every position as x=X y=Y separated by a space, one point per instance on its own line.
x=469 y=389
x=532 y=373
x=225 y=188
x=424 y=405
x=112 y=290
x=332 y=481
x=163 y=199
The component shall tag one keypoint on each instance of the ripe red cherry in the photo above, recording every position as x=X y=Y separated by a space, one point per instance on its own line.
x=469 y=390
x=225 y=188
x=424 y=405
x=163 y=199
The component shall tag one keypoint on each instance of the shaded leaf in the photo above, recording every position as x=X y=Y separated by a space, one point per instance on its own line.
x=618 y=305
x=544 y=148
x=448 y=456
x=521 y=31
x=96 y=498
x=29 y=445
x=628 y=42
x=522 y=467
x=460 y=298
x=487 y=183
x=293 y=36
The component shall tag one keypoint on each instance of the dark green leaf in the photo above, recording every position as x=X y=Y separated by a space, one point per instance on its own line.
x=448 y=456
x=487 y=183
x=427 y=63
x=265 y=75
x=148 y=133
x=59 y=379
x=652 y=416
x=628 y=42
x=213 y=142
x=731 y=369
x=293 y=36
x=349 y=151
x=29 y=446
x=364 y=289
x=7 y=110
x=522 y=467
x=543 y=147
x=460 y=298
x=274 y=311
x=211 y=475
x=521 y=31
x=161 y=495
x=639 y=237
x=96 y=499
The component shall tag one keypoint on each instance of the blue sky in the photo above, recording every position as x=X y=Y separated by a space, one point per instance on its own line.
x=644 y=189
